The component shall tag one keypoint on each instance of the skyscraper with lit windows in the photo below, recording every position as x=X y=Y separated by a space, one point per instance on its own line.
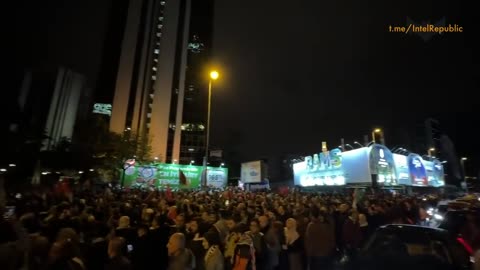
x=161 y=84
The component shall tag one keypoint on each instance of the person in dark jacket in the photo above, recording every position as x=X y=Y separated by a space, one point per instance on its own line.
x=320 y=240
x=115 y=252
x=142 y=253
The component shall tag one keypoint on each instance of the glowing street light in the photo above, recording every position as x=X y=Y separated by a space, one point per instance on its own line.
x=213 y=76
x=380 y=132
x=3 y=170
x=430 y=151
x=12 y=165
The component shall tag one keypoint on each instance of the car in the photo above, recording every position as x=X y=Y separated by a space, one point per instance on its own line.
x=454 y=221
x=398 y=246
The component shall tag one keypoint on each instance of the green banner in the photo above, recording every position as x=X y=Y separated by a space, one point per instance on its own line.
x=173 y=175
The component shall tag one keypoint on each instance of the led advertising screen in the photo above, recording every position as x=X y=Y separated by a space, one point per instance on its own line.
x=357 y=166
x=173 y=175
x=435 y=173
x=332 y=168
x=251 y=172
x=382 y=165
x=418 y=173
x=401 y=167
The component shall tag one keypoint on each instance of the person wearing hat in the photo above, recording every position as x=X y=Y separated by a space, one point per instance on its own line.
x=213 y=259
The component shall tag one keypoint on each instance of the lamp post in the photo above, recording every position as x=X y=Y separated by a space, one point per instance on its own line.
x=430 y=151
x=357 y=143
x=213 y=76
x=377 y=131
x=462 y=163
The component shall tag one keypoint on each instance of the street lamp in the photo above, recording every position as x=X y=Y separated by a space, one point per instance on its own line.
x=213 y=76
x=430 y=151
x=377 y=130
x=462 y=163
x=361 y=145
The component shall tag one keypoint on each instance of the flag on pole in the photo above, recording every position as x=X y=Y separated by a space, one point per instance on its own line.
x=182 y=178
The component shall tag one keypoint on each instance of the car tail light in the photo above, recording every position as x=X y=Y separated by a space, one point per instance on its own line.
x=467 y=247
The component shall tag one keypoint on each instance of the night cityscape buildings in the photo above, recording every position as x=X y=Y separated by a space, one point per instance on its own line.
x=161 y=85
x=268 y=87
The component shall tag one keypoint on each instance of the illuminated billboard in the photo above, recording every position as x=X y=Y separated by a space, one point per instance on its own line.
x=360 y=166
x=174 y=175
x=401 y=167
x=102 y=108
x=435 y=173
x=418 y=173
x=332 y=168
x=382 y=165
x=252 y=172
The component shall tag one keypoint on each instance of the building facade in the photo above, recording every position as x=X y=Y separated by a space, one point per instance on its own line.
x=161 y=85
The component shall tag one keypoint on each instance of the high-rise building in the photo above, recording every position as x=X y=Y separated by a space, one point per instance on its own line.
x=161 y=85
x=52 y=102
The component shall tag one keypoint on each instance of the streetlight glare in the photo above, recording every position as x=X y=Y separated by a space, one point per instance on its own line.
x=377 y=130
x=214 y=75
x=432 y=149
x=464 y=158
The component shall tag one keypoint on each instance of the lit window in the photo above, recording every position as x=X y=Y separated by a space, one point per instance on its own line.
x=148 y=125
x=162 y=3
x=149 y=115
x=171 y=126
x=150 y=105
x=154 y=68
x=151 y=96
x=191 y=88
x=156 y=51
x=160 y=18
x=160 y=26
x=155 y=60
x=184 y=127
x=157 y=44
x=201 y=127
x=159 y=34
x=191 y=149
x=154 y=77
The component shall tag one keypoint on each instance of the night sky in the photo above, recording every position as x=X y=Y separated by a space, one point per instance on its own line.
x=296 y=73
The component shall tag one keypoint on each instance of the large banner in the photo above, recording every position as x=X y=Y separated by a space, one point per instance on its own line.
x=173 y=175
x=251 y=172
x=418 y=172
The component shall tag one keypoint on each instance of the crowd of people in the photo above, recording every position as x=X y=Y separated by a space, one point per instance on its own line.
x=185 y=230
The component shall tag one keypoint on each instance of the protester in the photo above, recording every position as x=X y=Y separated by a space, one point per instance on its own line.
x=138 y=229
x=181 y=258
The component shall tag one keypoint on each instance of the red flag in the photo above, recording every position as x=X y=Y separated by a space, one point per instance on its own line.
x=182 y=178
